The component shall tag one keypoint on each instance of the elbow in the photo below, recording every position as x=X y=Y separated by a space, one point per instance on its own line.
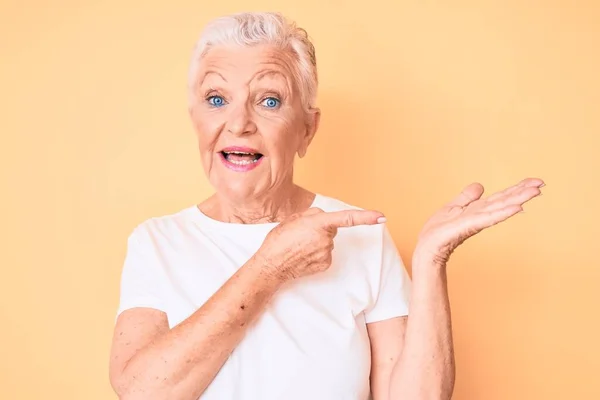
x=444 y=388
x=129 y=389
x=134 y=394
x=442 y=393
x=122 y=389
x=447 y=388
x=132 y=388
x=440 y=385
x=441 y=389
x=139 y=396
x=125 y=396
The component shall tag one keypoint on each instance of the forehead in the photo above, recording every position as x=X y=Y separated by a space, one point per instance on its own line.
x=245 y=64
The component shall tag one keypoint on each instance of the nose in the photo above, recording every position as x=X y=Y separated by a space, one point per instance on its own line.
x=240 y=121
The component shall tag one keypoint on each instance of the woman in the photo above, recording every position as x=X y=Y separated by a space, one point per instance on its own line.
x=244 y=296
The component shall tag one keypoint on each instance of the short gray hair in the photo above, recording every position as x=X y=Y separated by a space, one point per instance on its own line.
x=256 y=28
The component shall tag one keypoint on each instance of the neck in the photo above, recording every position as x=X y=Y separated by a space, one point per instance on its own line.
x=275 y=206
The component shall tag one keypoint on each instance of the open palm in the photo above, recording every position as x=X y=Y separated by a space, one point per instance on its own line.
x=469 y=214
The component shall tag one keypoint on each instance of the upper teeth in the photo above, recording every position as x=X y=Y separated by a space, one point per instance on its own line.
x=240 y=153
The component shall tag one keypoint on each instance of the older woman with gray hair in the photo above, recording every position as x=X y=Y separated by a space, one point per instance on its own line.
x=268 y=291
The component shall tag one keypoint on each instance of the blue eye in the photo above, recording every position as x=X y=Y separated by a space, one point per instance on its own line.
x=216 y=101
x=271 y=102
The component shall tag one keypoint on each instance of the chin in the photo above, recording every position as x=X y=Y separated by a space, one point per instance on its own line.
x=238 y=192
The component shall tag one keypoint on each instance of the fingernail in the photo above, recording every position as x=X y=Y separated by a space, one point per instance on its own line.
x=381 y=220
x=542 y=185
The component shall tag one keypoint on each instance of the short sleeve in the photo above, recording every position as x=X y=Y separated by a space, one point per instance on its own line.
x=394 y=285
x=141 y=275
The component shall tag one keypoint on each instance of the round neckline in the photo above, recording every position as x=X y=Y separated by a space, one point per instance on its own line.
x=205 y=220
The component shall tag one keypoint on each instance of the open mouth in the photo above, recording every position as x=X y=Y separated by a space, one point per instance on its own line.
x=240 y=157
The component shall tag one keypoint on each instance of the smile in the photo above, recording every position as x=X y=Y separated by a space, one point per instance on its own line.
x=240 y=160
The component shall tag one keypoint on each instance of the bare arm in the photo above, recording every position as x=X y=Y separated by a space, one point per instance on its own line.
x=387 y=342
x=149 y=361
x=425 y=368
x=412 y=358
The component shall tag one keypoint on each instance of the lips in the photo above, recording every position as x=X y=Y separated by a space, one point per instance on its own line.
x=241 y=155
x=241 y=159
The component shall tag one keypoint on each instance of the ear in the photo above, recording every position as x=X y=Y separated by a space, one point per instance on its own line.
x=312 y=125
x=191 y=111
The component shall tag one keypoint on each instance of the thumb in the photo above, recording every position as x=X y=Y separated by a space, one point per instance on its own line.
x=469 y=194
x=347 y=218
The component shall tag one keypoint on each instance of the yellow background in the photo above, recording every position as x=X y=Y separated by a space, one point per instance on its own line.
x=419 y=98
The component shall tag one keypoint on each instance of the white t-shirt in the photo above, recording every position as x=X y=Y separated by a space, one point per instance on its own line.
x=311 y=342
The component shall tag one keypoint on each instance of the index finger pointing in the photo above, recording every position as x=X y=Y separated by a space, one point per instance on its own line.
x=347 y=218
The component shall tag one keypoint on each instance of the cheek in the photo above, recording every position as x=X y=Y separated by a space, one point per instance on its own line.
x=282 y=137
x=207 y=129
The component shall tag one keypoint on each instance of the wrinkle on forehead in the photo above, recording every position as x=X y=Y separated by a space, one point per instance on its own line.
x=258 y=63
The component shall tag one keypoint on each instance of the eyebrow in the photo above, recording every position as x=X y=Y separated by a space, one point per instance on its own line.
x=270 y=72
x=207 y=73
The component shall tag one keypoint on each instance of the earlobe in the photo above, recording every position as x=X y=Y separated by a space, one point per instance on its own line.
x=303 y=145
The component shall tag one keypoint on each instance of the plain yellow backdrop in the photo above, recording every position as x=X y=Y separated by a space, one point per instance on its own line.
x=419 y=98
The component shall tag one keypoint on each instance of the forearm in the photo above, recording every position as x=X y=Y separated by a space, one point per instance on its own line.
x=183 y=362
x=425 y=369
